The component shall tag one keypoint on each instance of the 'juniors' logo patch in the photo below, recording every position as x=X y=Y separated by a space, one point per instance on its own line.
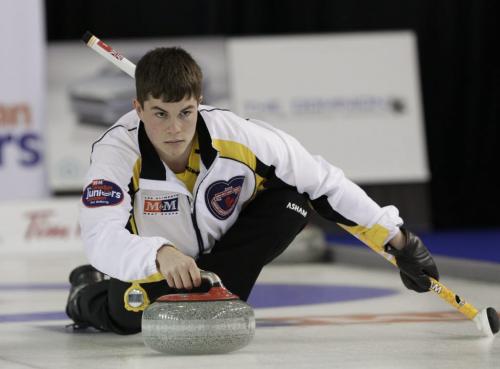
x=101 y=193
x=161 y=205
x=221 y=197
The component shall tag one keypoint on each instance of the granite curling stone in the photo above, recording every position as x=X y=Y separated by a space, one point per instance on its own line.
x=212 y=322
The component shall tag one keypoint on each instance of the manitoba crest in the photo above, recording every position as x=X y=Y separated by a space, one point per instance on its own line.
x=221 y=197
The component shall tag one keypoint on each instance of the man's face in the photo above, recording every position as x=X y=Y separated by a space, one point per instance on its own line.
x=170 y=126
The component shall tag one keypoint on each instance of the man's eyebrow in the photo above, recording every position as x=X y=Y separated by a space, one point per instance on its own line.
x=163 y=110
x=157 y=107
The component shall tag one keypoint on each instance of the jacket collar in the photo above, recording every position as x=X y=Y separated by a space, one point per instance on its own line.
x=152 y=166
x=207 y=152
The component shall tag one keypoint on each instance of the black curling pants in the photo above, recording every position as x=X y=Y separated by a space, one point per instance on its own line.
x=262 y=232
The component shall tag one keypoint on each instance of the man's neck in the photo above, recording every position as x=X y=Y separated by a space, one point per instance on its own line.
x=178 y=164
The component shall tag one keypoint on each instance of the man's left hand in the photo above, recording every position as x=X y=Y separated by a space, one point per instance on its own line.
x=414 y=261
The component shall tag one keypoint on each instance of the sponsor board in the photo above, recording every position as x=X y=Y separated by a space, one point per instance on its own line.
x=22 y=101
x=342 y=95
x=40 y=226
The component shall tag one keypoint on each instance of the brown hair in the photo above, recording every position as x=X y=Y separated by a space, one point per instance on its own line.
x=169 y=73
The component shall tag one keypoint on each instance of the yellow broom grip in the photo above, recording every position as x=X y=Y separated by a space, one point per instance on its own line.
x=439 y=289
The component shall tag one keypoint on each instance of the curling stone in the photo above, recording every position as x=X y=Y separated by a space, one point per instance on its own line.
x=212 y=322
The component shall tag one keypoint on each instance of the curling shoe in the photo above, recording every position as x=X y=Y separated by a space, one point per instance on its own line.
x=80 y=278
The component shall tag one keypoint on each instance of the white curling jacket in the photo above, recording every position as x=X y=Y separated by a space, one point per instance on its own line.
x=133 y=203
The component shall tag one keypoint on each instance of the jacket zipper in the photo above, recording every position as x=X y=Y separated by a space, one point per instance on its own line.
x=196 y=229
x=201 y=247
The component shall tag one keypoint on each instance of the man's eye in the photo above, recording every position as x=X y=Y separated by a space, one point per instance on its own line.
x=186 y=114
x=160 y=114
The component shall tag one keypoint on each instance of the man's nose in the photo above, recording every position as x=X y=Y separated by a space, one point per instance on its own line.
x=174 y=126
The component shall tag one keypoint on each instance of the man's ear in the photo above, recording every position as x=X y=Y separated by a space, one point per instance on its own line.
x=200 y=100
x=138 y=107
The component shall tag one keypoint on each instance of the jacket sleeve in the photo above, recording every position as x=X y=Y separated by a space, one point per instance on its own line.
x=105 y=211
x=333 y=195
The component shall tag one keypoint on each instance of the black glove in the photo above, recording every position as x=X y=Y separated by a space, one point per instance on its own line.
x=415 y=263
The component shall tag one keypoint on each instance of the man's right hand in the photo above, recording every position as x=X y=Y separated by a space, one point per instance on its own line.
x=179 y=270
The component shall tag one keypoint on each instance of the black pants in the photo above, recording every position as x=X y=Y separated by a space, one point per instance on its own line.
x=262 y=232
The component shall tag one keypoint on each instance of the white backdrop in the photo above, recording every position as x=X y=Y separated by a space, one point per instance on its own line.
x=22 y=99
x=76 y=72
x=352 y=98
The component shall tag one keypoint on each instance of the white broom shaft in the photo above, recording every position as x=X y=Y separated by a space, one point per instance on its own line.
x=109 y=53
